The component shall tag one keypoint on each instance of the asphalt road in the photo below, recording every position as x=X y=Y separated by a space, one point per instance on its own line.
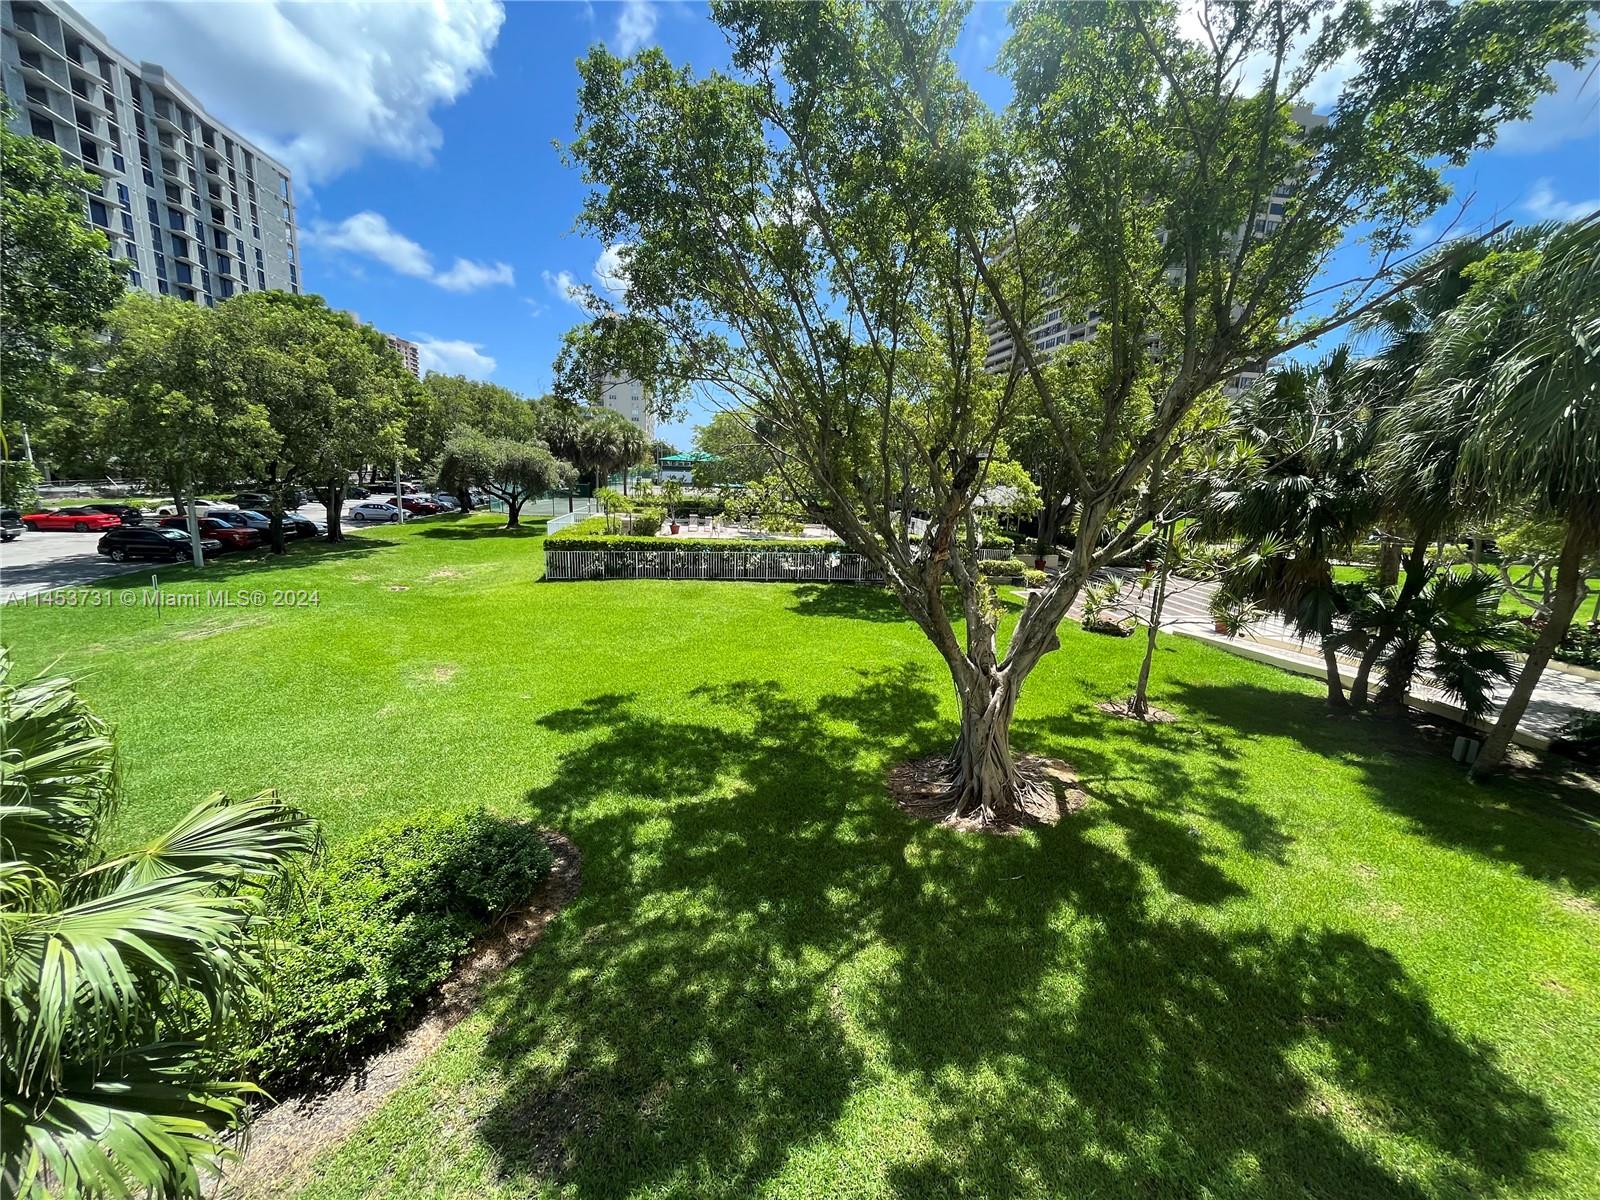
x=38 y=562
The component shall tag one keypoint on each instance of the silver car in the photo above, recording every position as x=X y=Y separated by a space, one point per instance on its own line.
x=371 y=510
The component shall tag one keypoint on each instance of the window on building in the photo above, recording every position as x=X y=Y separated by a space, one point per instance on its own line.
x=180 y=247
x=161 y=267
x=118 y=162
x=124 y=196
x=261 y=280
x=226 y=288
x=224 y=265
x=42 y=127
x=174 y=218
x=133 y=278
x=161 y=285
x=127 y=223
x=186 y=294
x=185 y=273
x=149 y=177
x=98 y=214
x=283 y=186
x=255 y=232
x=294 y=275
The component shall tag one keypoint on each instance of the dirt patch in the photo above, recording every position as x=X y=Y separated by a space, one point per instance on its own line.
x=285 y=1141
x=438 y=673
x=918 y=790
x=1579 y=904
x=399 y=587
x=1152 y=714
x=216 y=627
x=444 y=573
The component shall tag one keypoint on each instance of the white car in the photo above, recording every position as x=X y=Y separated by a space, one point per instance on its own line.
x=371 y=510
x=200 y=506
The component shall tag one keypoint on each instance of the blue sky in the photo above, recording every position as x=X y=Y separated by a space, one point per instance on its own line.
x=431 y=197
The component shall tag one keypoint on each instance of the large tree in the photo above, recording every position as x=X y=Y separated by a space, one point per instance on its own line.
x=57 y=282
x=167 y=407
x=823 y=234
x=334 y=394
x=1515 y=370
x=607 y=442
x=452 y=402
x=743 y=443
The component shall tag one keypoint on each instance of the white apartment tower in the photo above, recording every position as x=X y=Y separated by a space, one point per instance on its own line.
x=408 y=351
x=198 y=211
x=631 y=398
x=1054 y=330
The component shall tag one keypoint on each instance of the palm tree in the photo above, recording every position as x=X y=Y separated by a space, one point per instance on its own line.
x=609 y=442
x=1450 y=632
x=121 y=974
x=1516 y=368
x=1303 y=496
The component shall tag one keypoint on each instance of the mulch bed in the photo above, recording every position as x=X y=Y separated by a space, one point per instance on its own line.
x=285 y=1141
x=917 y=789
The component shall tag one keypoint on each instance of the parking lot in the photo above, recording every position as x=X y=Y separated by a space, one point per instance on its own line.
x=38 y=562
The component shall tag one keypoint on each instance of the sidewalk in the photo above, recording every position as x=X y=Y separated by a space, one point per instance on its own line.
x=1559 y=696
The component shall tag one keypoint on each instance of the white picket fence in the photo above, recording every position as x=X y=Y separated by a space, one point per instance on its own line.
x=768 y=566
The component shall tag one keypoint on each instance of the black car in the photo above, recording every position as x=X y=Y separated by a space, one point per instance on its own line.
x=262 y=502
x=10 y=524
x=127 y=513
x=294 y=525
x=143 y=541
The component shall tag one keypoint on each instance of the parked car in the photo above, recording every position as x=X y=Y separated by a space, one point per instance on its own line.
x=445 y=501
x=262 y=501
x=200 y=506
x=374 y=510
x=294 y=525
x=416 y=505
x=380 y=486
x=152 y=541
x=231 y=537
x=10 y=524
x=354 y=491
x=126 y=513
x=81 y=520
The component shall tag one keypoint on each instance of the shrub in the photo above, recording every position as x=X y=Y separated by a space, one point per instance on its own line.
x=1003 y=567
x=19 y=484
x=1035 y=579
x=376 y=927
x=579 y=538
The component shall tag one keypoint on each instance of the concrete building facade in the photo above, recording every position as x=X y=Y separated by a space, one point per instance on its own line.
x=408 y=351
x=631 y=398
x=198 y=211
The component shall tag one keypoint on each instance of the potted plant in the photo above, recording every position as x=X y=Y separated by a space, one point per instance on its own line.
x=672 y=493
x=1230 y=615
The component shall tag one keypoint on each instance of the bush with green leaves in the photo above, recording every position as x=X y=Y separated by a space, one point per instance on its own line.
x=123 y=975
x=1034 y=579
x=1002 y=568
x=378 y=926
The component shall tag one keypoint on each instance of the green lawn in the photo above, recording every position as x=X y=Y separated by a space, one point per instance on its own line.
x=1278 y=955
x=1588 y=610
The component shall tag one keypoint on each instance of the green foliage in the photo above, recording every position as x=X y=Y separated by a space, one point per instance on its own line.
x=1005 y=568
x=744 y=443
x=450 y=402
x=57 y=281
x=1035 y=579
x=375 y=928
x=123 y=975
x=19 y=484
x=578 y=538
x=511 y=471
x=768 y=504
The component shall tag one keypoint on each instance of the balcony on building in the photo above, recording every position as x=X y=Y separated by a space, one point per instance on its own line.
x=34 y=32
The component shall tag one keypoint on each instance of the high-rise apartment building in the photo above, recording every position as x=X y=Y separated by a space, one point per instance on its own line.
x=631 y=398
x=198 y=211
x=1056 y=328
x=408 y=351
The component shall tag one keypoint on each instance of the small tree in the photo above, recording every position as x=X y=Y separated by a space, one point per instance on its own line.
x=124 y=976
x=511 y=471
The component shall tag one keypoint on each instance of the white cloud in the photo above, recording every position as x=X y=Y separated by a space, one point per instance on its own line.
x=564 y=285
x=468 y=276
x=453 y=357
x=318 y=85
x=369 y=235
x=636 y=25
x=1570 y=112
x=1544 y=204
x=611 y=270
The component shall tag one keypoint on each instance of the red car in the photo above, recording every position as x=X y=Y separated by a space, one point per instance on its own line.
x=80 y=520
x=415 y=505
x=232 y=537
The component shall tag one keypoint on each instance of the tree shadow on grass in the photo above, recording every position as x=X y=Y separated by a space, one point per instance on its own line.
x=858 y=602
x=1511 y=821
x=764 y=942
x=459 y=530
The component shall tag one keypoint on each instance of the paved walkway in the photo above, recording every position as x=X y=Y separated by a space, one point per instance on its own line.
x=1559 y=696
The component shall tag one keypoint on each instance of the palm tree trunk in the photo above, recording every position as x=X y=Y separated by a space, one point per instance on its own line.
x=1416 y=561
x=1330 y=657
x=1577 y=545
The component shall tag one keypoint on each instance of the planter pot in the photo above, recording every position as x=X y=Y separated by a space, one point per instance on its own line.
x=1220 y=626
x=674 y=527
x=1149 y=564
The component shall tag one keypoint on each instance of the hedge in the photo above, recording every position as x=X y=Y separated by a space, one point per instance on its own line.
x=375 y=928
x=1005 y=567
x=578 y=539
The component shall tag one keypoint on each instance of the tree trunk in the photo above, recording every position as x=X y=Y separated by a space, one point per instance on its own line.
x=1330 y=658
x=464 y=498
x=982 y=774
x=191 y=520
x=1369 y=659
x=1139 y=706
x=335 y=510
x=1388 y=562
x=514 y=510
x=1569 y=574
x=1416 y=563
x=275 y=533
